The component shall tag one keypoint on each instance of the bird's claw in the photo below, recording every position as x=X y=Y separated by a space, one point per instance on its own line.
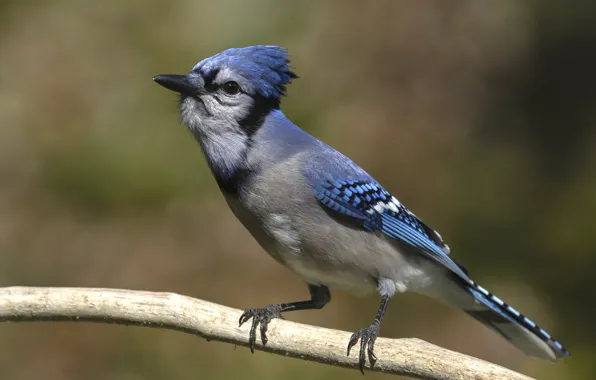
x=367 y=337
x=262 y=317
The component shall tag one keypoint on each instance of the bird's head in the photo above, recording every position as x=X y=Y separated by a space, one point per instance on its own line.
x=233 y=91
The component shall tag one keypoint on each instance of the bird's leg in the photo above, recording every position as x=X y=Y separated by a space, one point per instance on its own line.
x=320 y=296
x=368 y=335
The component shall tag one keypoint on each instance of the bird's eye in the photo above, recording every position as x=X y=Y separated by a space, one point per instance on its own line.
x=231 y=88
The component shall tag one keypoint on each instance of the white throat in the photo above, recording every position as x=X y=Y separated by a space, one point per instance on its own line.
x=223 y=143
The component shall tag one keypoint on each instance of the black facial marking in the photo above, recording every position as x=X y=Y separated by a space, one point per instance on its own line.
x=209 y=78
x=261 y=107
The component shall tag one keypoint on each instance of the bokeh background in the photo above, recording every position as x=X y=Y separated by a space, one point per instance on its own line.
x=479 y=116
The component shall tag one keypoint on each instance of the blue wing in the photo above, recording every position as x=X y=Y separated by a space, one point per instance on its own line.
x=369 y=205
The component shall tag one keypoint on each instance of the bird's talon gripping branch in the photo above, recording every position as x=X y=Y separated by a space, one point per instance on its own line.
x=260 y=317
x=367 y=337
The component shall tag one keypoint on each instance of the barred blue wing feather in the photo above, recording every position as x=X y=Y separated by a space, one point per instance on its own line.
x=374 y=209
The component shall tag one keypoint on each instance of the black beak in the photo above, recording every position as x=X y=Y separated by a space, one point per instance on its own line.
x=177 y=83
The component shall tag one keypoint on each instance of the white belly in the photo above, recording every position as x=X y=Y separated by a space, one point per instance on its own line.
x=357 y=283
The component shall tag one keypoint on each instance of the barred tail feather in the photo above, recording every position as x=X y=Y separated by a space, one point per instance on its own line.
x=503 y=319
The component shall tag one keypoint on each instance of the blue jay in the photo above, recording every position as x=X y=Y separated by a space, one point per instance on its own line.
x=317 y=212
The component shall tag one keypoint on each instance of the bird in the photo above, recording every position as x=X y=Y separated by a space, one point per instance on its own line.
x=317 y=212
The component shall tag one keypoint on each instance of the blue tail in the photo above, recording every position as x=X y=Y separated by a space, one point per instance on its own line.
x=511 y=324
x=500 y=317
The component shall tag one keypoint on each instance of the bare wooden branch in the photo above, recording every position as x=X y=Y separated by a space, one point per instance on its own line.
x=409 y=357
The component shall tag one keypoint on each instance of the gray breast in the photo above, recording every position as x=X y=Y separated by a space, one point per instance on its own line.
x=280 y=210
x=280 y=228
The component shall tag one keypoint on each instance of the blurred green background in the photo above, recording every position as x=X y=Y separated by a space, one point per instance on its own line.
x=480 y=116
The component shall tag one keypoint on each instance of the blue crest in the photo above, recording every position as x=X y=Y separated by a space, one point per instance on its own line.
x=266 y=68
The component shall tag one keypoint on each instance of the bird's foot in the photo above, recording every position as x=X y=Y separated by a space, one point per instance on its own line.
x=260 y=317
x=367 y=336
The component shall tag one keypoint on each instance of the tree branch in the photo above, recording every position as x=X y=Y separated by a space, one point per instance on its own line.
x=408 y=357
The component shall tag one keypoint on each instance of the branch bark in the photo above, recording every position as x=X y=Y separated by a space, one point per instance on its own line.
x=409 y=357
